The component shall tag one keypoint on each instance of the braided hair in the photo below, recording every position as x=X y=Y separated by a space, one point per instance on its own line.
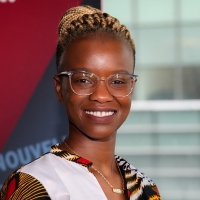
x=84 y=20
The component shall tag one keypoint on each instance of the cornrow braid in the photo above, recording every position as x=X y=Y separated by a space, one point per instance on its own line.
x=83 y=20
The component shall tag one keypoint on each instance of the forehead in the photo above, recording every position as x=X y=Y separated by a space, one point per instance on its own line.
x=98 y=52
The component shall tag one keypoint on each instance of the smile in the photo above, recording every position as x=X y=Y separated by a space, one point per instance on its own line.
x=100 y=113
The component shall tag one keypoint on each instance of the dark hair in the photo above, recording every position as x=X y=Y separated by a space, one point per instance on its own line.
x=83 y=20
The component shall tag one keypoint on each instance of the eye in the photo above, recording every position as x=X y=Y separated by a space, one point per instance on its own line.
x=118 y=81
x=82 y=79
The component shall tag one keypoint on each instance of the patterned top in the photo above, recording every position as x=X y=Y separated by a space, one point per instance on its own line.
x=59 y=175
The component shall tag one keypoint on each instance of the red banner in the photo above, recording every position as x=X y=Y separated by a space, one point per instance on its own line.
x=31 y=119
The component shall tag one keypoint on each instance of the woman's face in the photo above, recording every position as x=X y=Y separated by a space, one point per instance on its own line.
x=102 y=56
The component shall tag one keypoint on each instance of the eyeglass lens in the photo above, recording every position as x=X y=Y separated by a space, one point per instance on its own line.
x=85 y=83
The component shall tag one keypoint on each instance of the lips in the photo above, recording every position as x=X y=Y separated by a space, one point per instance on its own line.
x=100 y=113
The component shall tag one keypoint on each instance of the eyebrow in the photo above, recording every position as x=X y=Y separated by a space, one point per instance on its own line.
x=115 y=72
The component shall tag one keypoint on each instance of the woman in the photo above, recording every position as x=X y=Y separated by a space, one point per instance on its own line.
x=95 y=81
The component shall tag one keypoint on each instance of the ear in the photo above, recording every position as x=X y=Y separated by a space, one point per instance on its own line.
x=58 y=88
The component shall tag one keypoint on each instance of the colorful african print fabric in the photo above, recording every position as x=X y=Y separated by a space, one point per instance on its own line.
x=60 y=175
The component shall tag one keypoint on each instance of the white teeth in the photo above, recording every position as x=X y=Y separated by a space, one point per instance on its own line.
x=100 y=113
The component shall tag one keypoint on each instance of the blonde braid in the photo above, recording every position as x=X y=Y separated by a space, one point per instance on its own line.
x=83 y=20
x=72 y=15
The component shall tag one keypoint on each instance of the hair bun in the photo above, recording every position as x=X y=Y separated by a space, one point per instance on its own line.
x=73 y=14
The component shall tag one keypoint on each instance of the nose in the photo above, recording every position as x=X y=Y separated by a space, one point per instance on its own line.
x=101 y=94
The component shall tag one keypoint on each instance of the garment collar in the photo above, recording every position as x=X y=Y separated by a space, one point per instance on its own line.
x=70 y=157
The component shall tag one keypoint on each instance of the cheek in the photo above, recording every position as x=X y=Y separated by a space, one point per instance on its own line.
x=72 y=104
x=128 y=99
x=67 y=95
x=66 y=92
x=70 y=101
x=126 y=105
x=72 y=107
x=124 y=111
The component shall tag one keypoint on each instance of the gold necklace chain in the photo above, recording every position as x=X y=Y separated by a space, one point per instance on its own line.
x=115 y=190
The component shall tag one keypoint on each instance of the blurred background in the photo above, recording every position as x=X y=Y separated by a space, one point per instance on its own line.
x=161 y=136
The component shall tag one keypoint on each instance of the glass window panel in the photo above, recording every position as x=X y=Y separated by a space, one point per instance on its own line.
x=182 y=117
x=178 y=139
x=183 y=161
x=123 y=10
x=190 y=10
x=191 y=83
x=156 y=11
x=139 y=118
x=133 y=34
x=190 y=42
x=155 y=47
x=155 y=83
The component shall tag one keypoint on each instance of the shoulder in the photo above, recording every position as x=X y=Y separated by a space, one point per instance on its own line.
x=37 y=179
x=25 y=183
x=139 y=185
x=20 y=185
x=40 y=164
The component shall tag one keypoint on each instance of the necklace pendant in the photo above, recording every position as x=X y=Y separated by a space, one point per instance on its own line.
x=118 y=191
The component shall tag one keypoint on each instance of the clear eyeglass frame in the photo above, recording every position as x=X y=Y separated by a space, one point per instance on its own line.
x=85 y=83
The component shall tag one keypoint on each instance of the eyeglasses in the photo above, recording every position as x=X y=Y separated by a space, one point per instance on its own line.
x=86 y=83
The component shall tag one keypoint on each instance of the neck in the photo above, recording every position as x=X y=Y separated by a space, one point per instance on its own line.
x=99 y=152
